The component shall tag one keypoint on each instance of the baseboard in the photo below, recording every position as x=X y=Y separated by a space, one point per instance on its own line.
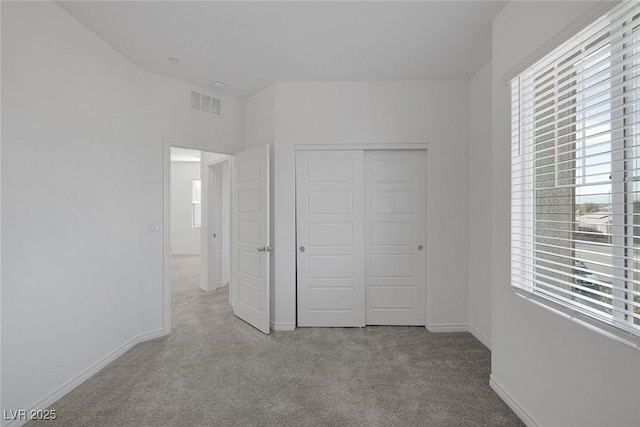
x=460 y=327
x=57 y=394
x=208 y=288
x=448 y=327
x=148 y=336
x=513 y=403
x=480 y=337
x=283 y=326
x=185 y=253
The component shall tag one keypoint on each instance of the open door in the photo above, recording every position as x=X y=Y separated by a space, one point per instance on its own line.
x=251 y=240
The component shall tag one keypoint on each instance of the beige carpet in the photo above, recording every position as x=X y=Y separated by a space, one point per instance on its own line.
x=215 y=370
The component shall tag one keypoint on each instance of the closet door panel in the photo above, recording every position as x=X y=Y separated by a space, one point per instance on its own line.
x=330 y=238
x=395 y=183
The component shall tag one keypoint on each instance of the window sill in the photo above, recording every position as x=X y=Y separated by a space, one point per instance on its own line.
x=595 y=325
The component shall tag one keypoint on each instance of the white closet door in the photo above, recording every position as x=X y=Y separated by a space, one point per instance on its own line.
x=395 y=237
x=330 y=236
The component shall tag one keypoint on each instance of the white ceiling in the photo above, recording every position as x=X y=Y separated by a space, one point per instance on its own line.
x=250 y=45
x=184 y=155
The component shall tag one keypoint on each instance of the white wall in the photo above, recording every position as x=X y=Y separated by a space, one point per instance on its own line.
x=258 y=115
x=185 y=240
x=554 y=371
x=433 y=112
x=82 y=176
x=480 y=205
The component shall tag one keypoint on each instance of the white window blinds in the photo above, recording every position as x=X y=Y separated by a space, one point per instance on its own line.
x=575 y=220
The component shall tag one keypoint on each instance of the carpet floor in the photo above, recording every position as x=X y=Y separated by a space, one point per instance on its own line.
x=216 y=370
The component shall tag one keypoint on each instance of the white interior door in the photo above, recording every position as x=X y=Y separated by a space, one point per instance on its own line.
x=251 y=240
x=330 y=236
x=219 y=227
x=395 y=237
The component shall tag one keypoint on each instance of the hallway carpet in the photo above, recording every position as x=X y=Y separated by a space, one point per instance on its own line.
x=215 y=370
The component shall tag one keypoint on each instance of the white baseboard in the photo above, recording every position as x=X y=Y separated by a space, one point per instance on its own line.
x=448 y=327
x=459 y=327
x=186 y=253
x=283 y=326
x=526 y=418
x=480 y=337
x=210 y=288
x=57 y=394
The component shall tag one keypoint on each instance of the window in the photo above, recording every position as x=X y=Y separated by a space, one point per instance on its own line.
x=196 y=199
x=575 y=201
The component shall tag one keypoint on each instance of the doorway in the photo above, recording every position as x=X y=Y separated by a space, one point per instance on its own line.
x=197 y=205
x=239 y=254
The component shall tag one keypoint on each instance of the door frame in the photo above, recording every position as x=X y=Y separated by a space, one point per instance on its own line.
x=429 y=227
x=167 y=143
x=212 y=198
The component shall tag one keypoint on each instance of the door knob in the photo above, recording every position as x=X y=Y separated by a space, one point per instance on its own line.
x=264 y=249
x=301 y=248
x=420 y=247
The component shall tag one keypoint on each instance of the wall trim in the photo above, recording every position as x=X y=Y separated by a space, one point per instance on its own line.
x=479 y=336
x=513 y=403
x=447 y=327
x=440 y=328
x=185 y=253
x=459 y=327
x=67 y=387
x=211 y=288
x=385 y=146
x=282 y=326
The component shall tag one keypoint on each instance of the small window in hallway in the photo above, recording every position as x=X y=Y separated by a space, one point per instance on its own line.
x=196 y=199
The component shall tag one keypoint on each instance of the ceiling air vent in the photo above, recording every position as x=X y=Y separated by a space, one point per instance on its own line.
x=206 y=103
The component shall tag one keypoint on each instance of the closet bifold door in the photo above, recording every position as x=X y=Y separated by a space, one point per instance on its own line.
x=395 y=246
x=330 y=238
